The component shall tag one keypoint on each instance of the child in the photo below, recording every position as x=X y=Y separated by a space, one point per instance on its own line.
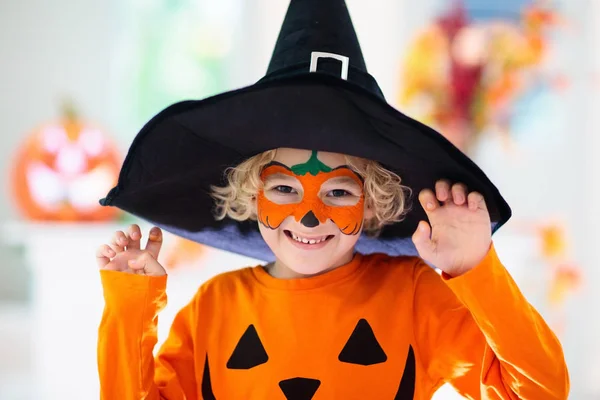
x=337 y=313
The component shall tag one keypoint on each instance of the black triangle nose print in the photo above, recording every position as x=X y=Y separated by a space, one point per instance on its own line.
x=362 y=348
x=309 y=220
x=249 y=352
x=299 y=388
x=406 y=390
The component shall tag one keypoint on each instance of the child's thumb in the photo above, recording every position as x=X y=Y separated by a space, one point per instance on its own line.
x=147 y=265
x=422 y=240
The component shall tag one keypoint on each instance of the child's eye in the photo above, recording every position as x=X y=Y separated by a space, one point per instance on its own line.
x=339 y=193
x=284 y=189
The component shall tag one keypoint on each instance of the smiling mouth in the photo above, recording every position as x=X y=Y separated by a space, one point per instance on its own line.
x=308 y=240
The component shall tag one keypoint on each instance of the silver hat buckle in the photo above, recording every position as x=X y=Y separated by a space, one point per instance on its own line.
x=314 y=59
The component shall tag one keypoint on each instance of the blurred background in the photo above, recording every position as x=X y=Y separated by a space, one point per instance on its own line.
x=514 y=83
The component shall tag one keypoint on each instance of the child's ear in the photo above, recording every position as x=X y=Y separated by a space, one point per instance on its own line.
x=253 y=205
x=369 y=213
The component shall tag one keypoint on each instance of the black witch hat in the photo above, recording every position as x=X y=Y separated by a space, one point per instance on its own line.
x=316 y=95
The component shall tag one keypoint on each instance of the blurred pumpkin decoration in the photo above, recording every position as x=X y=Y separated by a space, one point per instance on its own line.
x=566 y=279
x=182 y=254
x=62 y=169
x=566 y=276
x=562 y=276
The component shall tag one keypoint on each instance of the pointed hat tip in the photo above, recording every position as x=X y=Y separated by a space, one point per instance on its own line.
x=316 y=25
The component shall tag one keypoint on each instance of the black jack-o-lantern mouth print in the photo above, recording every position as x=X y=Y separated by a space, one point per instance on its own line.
x=362 y=348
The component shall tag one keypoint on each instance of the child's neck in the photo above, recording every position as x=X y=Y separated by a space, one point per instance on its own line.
x=279 y=270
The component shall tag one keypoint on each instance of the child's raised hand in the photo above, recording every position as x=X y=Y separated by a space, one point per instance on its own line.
x=460 y=234
x=124 y=253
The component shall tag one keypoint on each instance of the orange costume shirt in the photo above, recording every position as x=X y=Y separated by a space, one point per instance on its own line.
x=377 y=328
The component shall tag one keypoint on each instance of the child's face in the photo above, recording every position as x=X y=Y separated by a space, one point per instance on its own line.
x=311 y=209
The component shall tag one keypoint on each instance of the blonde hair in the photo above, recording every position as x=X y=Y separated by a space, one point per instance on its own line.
x=384 y=193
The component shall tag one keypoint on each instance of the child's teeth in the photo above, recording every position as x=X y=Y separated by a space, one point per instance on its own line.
x=308 y=241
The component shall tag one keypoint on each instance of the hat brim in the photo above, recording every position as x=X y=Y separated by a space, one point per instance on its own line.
x=181 y=152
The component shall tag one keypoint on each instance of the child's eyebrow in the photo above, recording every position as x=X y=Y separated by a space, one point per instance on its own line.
x=343 y=180
x=279 y=175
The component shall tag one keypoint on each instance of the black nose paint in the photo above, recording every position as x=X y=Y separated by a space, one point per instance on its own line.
x=309 y=220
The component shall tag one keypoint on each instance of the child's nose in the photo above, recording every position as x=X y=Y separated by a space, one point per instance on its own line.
x=309 y=220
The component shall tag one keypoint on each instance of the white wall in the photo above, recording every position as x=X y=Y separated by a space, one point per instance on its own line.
x=587 y=228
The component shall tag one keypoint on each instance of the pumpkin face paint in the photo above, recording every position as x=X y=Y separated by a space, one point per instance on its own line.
x=308 y=207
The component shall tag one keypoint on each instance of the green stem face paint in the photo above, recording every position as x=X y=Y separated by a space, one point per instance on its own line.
x=313 y=166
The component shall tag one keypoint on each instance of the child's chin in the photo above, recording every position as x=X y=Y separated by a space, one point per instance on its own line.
x=308 y=269
x=306 y=265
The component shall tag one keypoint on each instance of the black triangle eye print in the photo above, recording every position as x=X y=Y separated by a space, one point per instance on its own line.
x=362 y=347
x=249 y=352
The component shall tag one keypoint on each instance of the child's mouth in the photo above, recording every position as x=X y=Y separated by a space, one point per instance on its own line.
x=314 y=242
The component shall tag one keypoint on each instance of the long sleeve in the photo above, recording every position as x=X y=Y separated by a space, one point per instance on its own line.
x=127 y=337
x=478 y=332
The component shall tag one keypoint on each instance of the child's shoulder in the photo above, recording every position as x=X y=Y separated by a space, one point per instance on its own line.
x=382 y=260
x=396 y=273
x=386 y=266
x=229 y=281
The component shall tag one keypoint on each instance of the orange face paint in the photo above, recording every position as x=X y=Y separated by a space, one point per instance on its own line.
x=311 y=210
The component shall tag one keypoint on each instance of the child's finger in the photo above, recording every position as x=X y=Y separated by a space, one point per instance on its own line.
x=119 y=241
x=476 y=201
x=137 y=267
x=137 y=264
x=442 y=190
x=134 y=235
x=428 y=200
x=155 y=240
x=459 y=194
x=103 y=255
x=146 y=264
